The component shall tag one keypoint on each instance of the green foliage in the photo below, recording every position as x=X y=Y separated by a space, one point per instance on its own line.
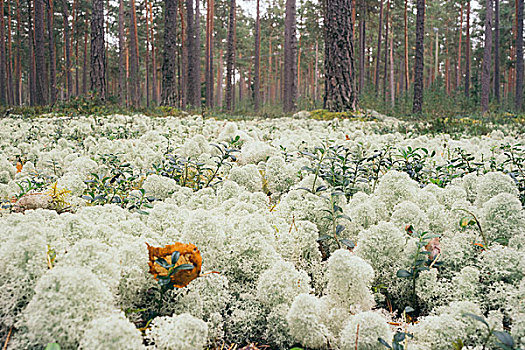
x=420 y=261
x=52 y=346
x=397 y=341
x=504 y=339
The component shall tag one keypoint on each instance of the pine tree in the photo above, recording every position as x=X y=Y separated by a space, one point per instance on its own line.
x=169 y=83
x=98 y=52
x=417 y=106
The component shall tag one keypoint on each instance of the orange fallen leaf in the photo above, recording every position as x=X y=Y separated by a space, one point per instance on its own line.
x=189 y=254
x=19 y=167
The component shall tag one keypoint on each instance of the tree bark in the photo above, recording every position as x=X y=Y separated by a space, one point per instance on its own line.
x=387 y=28
x=153 y=58
x=378 y=56
x=193 y=68
x=98 y=52
x=405 y=17
x=458 y=68
x=147 y=55
x=69 y=77
x=340 y=94
x=169 y=87
x=362 y=44
x=134 y=58
x=417 y=106
x=257 y=69
x=122 y=83
x=40 y=62
x=467 y=53
x=10 y=90
x=496 y=52
x=519 y=58
x=209 y=53
x=3 y=85
x=85 y=65
x=18 y=72
x=230 y=53
x=487 y=55
x=290 y=58
x=31 y=45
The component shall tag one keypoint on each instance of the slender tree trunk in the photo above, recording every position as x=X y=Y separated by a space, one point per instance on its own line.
x=209 y=53
x=458 y=68
x=10 y=90
x=417 y=106
x=362 y=46
x=230 y=53
x=290 y=58
x=184 y=47
x=220 y=77
x=197 y=48
x=153 y=58
x=147 y=56
x=257 y=77
x=467 y=53
x=193 y=76
x=67 y=44
x=496 y=52
x=340 y=94
x=18 y=75
x=385 y=70
x=405 y=17
x=436 y=59
x=519 y=58
x=75 y=32
x=392 y=85
x=85 y=65
x=487 y=55
x=122 y=83
x=98 y=52
x=52 y=55
x=169 y=87
x=3 y=85
x=378 y=56
x=134 y=58
x=40 y=62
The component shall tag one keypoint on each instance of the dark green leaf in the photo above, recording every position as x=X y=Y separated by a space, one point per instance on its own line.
x=403 y=274
x=477 y=318
x=175 y=257
x=505 y=338
x=163 y=263
x=383 y=342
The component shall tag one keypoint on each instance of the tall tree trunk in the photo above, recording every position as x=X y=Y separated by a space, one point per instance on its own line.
x=385 y=70
x=183 y=74
x=405 y=17
x=69 y=77
x=10 y=90
x=209 y=53
x=417 y=106
x=220 y=76
x=193 y=67
x=122 y=83
x=18 y=70
x=98 y=52
x=230 y=53
x=467 y=53
x=197 y=64
x=75 y=32
x=378 y=56
x=392 y=86
x=362 y=46
x=153 y=58
x=31 y=57
x=290 y=58
x=85 y=65
x=3 y=85
x=458 y=68
x=257 y=72
x=134 y=58
x=519 y=58
x=147 y=55
x=340 y=94
x=169 y=86
x=52 y=55
x=496 y=52
x=487 y=55
x=40 y=61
